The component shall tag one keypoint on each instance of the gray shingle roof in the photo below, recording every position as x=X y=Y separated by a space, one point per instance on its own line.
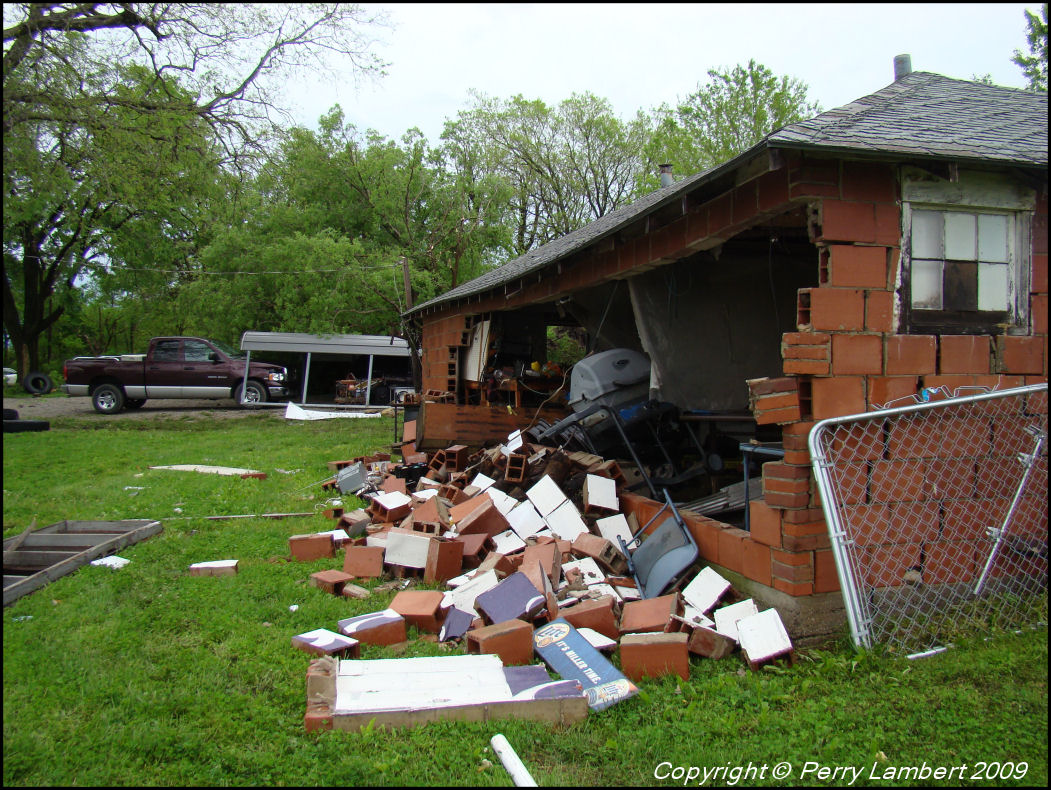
x=921 y=115
x=929 y=115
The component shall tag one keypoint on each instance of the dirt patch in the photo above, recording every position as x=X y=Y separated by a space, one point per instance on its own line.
x=53 y=406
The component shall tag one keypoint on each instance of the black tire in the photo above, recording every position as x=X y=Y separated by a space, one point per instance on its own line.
x=255 y=395
x=108 y=399
x=134 y=403
x=10 y=414
x=24 y=426
x=38 y=383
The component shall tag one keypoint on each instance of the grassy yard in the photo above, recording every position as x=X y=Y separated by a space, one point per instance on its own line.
x=146 y=676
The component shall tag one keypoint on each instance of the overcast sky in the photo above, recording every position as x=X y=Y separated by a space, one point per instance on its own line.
x=639 y=55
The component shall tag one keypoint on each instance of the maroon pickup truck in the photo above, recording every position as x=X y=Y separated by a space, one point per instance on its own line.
x=174 y=367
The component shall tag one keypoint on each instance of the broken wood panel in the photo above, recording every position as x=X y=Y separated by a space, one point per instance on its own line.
x=65 y=541
x=123 y=533
x=442 y=424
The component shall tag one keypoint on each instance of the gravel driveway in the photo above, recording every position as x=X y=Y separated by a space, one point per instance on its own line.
x=52 y=406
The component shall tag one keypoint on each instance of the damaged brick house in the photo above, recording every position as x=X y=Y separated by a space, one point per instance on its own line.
x=895 y=243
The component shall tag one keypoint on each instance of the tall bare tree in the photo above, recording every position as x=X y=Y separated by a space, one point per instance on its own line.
x=92 y=91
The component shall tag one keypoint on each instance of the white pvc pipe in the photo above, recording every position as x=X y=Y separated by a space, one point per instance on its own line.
x=519 y=774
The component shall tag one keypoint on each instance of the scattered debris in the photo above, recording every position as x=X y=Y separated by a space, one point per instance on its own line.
x=226 y=471
x=214 y=568
x=511 y=762
x=294 y=412
x=112 y=561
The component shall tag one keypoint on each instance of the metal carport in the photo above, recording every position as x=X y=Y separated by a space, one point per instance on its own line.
x=338 y=345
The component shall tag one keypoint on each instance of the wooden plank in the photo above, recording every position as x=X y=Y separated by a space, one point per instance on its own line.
x=441 y=424
x=125 y=525
x=18 y=540
x=63 y=541
x=27 y=585
x=30 y=558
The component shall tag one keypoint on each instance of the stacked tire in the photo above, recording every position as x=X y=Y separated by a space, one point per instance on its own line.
x=14 y=425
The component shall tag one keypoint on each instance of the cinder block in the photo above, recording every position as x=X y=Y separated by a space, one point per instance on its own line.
x=600 y=495
x=706 y=641
x=474 y=549
x=376 y=628
x=421 y=608
x=330 y=581
x=649 y=614
x=407 y=548
x=549 y=557
x=654 y=655
x=511 y=640
x=363 y=562
x=307 y=548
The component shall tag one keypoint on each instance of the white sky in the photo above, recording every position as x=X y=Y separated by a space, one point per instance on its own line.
x=639 y=55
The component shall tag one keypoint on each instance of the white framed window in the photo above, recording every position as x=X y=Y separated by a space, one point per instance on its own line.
x=966 y=252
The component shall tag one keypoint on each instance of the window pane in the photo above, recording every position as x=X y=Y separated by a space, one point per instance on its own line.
x=992 y=286
x=166 y=350
x=927 y=234
x=960 y=285
x=196 y=351
x=992 y=238
x=960 y=237
x=926 y=279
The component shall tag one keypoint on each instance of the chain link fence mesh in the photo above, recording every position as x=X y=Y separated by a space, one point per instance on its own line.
x=937 y=513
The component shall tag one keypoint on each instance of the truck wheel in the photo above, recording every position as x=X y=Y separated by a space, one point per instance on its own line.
x=38 y=383
x=107 y=399
x=134 y=403
x=255 y=394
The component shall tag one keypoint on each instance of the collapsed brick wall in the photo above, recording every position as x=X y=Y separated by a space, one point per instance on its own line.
x=847 y=354
x=850 y=354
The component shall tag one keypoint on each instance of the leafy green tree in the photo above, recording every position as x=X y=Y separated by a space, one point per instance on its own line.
x=1034 y=65
x=735 y=109
x=562 y=166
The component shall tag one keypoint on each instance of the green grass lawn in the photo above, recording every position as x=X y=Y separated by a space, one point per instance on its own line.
x=147 y=676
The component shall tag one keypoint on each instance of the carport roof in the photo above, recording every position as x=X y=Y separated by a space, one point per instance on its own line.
x=302 y=343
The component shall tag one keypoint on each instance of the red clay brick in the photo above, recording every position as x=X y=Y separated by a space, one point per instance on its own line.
x=650 y=614
x=825 y=576
x=909 y=354
x=795 y=589
x=853 y=266
x=512 y=640
x=897 y=481
x=655 y=655
x=948 y=561
x=791 y=573
x=731 y=553
x=848 y=221
x=1038 y=313
x=444 y=560
x=857 y=354
x=963 y=354
x=866 y=181
x=756 y=561
x=884 y=389
x=363 y=562
x=1021 y=354
x=835 y=397
x=879 y=311
x=597 y=614
x=889 y=565
x=1038 y=283
x=421 y=608
x=837 y=309
x=307 y=548
x=764 y=523
x=888 y=224
x=806 y=367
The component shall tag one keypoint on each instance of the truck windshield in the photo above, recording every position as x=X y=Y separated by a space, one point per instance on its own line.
x=230 y=352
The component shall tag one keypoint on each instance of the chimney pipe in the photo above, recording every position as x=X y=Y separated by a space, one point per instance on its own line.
x=666 y=177
x=902 y=66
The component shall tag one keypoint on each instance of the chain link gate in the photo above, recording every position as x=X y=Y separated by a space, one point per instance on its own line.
x=937 y=514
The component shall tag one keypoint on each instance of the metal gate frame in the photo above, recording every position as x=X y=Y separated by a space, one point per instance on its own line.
x=857 y=593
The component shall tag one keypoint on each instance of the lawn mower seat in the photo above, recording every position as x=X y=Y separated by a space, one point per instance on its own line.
x=659 y=559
